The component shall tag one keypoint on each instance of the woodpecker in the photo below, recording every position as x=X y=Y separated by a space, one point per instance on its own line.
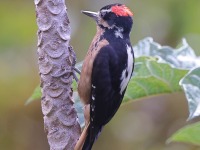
x=106 y=70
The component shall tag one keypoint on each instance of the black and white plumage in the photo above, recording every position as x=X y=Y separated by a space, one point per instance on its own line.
x=107 y=68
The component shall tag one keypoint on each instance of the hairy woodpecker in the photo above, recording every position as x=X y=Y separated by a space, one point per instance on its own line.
x=106 y=70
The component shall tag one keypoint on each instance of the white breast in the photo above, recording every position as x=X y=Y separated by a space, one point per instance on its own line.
x=128 y=70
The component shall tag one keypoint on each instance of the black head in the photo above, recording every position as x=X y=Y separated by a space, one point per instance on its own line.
x=113 y=16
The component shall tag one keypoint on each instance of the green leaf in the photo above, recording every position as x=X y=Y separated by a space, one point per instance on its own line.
x=191 y=85
x=35 y=95
x=182 y=57
x=151 y=78
x=188 y=134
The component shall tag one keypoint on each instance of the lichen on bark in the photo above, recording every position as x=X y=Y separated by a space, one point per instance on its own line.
x=56 y=60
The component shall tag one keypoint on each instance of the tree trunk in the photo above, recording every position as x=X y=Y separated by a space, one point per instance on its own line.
x=56 y=61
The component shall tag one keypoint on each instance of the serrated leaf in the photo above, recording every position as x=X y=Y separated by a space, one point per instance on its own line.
x=191 y=86
x=187 y=134
x=151 y=78
x=182 y=57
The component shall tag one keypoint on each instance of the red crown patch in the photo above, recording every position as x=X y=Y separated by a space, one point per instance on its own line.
x=121 y=10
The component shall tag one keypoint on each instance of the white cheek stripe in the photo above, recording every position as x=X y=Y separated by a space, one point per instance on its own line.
x=129 y=68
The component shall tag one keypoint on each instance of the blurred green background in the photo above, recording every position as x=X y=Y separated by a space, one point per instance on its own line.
x=143 y=125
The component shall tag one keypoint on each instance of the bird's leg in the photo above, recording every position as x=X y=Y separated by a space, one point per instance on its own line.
x=75 y=76
x=77 y=70
x=74 y=71
x=83 y=136
x=72 y=61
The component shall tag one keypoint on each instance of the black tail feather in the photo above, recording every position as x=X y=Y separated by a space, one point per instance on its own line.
x=91 y=137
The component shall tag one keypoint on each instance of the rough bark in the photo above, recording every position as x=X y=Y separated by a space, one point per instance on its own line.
x=56 y=59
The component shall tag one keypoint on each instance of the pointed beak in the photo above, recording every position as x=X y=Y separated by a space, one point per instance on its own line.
x=94 y=15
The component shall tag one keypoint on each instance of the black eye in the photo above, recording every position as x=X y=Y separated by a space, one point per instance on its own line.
x=102 y=14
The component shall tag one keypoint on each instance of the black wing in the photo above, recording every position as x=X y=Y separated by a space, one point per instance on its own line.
x=105 y=92
x=105 y=95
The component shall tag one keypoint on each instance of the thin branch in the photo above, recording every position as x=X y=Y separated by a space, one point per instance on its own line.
x=56 y=62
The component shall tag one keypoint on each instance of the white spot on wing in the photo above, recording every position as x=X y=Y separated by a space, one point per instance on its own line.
x=93 y=98
x=125 y=79
x=93 y=86
x=93 y=107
